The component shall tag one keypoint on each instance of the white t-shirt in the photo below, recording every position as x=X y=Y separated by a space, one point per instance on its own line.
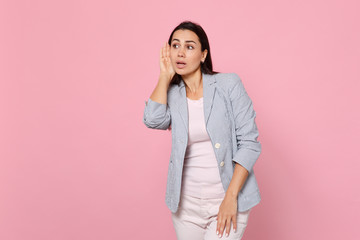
x=201 y=177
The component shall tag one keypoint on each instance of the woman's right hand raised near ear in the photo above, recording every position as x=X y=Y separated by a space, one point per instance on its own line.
x=166 y=69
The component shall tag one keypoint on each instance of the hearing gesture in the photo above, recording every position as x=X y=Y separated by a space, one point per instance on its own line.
x=166 y=68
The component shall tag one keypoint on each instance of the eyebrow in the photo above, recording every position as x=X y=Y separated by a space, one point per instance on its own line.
x=185 y=41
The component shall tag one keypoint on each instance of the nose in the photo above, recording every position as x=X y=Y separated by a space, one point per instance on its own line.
x=180 y=52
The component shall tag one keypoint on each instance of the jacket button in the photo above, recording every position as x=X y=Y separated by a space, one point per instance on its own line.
x=217 y=145
x=222 y=163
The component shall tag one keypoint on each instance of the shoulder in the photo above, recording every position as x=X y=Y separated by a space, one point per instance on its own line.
x=172 y=88
x=172 y=94
x=228 y=81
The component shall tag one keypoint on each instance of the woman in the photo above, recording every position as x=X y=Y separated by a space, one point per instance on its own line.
x=211 y=186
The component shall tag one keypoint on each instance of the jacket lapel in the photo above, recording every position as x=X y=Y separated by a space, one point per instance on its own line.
x=208 y=94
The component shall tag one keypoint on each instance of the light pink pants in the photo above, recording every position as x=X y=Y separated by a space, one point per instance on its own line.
x=196 y=219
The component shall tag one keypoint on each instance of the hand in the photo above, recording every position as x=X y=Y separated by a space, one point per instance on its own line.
x=227 y=214
x=166 y=68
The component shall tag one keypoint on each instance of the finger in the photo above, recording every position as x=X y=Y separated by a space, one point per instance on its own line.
x=218 y=225
x=234 y=221
x=168 y=50
x=161 y=52
x=228 y=226
x=222 y=226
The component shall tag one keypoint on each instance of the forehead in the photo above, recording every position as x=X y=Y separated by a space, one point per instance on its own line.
x=185 y=35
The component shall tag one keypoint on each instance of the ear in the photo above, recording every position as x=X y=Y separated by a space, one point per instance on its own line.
x=204 y=54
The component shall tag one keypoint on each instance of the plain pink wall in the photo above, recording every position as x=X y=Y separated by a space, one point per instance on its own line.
x=77 y=162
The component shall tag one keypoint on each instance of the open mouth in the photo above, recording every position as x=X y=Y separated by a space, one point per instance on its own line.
x=180 y=64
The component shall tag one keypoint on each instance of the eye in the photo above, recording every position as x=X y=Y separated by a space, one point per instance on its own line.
x=191 y=47
x=174 y=45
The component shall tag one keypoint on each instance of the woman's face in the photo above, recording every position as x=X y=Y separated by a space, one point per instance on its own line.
x=186 y=48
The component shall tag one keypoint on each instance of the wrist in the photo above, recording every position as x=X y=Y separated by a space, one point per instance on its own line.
x=165 y=77
x=231 y=194
x=163 y=82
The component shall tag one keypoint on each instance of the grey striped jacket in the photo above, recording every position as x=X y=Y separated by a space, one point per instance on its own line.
x=230 y=123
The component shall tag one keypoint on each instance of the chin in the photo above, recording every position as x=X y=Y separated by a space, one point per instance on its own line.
x=180 y=72
x=187 y=72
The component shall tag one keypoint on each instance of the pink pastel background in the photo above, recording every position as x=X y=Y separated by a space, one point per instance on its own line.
x=77 y=162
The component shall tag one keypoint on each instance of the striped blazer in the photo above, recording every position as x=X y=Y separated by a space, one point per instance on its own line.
x=230 y=123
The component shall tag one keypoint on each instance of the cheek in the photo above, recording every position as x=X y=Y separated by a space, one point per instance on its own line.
x=172 y=54
x=195 y=61
x=195 y=56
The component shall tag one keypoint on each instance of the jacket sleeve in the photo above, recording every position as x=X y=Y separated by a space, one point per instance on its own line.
x=245 y=127
x=156 y=115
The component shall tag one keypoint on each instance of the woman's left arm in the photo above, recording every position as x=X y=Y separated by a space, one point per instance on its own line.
x=228 y=208
x=249 y=149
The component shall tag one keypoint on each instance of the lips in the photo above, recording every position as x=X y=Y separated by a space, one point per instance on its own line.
x=180 y=64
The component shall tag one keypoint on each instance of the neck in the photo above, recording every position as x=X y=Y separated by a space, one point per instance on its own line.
x=193 y=82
